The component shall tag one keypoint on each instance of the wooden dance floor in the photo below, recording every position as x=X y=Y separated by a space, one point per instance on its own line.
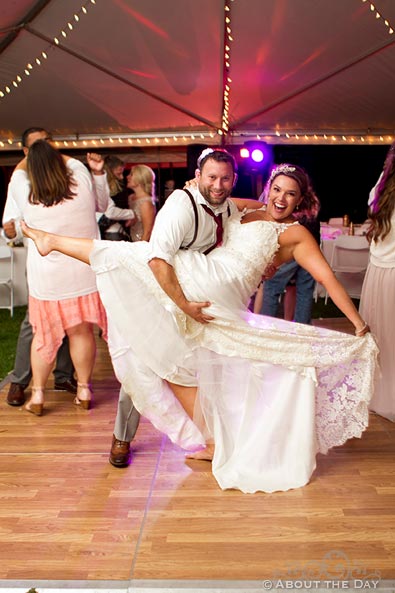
x=71 y=521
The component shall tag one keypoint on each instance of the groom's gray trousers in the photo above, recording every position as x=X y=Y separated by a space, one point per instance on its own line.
x=128 y=418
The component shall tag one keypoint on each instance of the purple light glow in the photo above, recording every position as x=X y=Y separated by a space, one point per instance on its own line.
x=257 y=155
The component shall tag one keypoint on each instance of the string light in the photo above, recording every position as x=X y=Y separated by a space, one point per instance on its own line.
x=276 y=136
x=378 y=15
x=226 y=67
x=284 y=137
x=44 y=53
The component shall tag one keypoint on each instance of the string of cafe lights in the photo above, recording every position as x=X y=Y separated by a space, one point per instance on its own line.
x=38 y=59
x=377 y=15
x=319 y=137
x=227 y=81
x=87 y=142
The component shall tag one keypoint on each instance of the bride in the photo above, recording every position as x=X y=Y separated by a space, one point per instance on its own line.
x=271 y=393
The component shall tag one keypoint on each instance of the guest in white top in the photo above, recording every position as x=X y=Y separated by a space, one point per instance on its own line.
x=63 y=198
x=378 y=292
x=17 y=199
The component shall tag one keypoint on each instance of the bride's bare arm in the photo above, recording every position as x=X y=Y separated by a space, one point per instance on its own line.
x=307 y=253
x=248 y=203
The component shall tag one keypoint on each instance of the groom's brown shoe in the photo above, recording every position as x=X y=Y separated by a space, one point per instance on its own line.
x=69 y=385
x=120 y=454
x=16 y=395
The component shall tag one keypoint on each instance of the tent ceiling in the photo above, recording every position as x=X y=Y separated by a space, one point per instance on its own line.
x=154 y=70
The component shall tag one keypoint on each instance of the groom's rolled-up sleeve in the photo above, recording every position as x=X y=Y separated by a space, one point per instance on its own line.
x=174 y=227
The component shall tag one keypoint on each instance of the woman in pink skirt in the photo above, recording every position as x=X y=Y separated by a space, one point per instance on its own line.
x=63 y=297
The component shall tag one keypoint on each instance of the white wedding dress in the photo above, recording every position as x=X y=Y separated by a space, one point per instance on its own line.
x=272 y=393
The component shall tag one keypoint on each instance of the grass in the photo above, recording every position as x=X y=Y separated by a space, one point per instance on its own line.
x=9 y=330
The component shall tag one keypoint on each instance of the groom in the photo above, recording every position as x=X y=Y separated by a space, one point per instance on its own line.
x=189 y=219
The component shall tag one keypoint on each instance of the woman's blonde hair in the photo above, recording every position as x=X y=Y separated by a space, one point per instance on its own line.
x=145 y=177
x=50 y=180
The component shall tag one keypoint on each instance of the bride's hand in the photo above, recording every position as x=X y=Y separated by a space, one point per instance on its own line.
x=365 y=329
x=191 y=184
x=195 y=310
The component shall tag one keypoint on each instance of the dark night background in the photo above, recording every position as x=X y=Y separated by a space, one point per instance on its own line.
x=342 y=176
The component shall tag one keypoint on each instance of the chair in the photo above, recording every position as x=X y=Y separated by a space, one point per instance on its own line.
x=7 y=275
x=350 y=257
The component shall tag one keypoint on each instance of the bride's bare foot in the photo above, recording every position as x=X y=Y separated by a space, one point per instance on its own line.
x=206 y=454
x=41 y=238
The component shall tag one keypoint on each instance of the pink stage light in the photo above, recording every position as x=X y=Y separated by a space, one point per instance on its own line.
x=257 y=155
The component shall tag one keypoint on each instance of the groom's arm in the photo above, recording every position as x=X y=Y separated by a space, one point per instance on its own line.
x=168 y=281
x=173 y=226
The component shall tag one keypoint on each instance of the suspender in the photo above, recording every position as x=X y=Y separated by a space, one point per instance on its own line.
x=197 y=222
x=196 y=218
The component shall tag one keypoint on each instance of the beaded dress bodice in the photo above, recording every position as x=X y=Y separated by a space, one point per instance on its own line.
x=252 y=245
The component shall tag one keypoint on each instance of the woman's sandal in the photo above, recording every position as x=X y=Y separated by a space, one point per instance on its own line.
x=36 y=408
x=83 y=402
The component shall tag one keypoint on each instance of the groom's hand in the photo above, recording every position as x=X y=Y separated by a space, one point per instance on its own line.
x=195 y=310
